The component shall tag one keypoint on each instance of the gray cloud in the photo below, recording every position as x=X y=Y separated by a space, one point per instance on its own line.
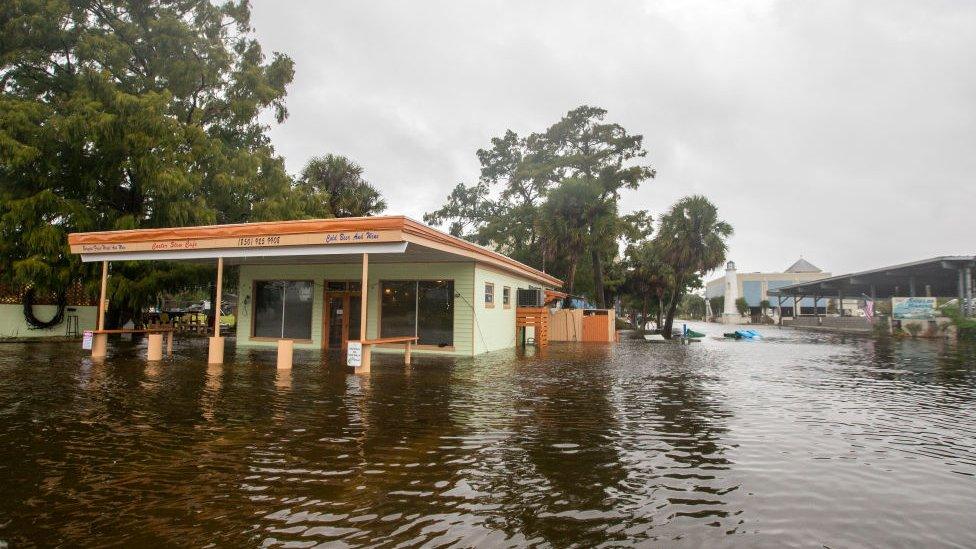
x=844 y=131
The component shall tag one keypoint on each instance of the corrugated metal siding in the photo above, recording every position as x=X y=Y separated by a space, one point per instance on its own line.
x=462 y=273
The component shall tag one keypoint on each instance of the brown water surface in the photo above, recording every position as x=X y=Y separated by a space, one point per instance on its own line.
x=799 y=440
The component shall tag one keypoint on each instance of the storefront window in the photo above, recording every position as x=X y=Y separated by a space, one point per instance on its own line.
x=283 y=309
x=422 y=308
x=398 y=313
x=435 y=312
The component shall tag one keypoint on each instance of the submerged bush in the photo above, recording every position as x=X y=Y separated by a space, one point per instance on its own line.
x=965 y=327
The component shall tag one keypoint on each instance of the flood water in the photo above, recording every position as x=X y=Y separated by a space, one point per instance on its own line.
x=800 y=440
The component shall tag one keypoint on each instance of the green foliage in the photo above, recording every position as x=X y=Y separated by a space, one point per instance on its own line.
x=913 y=328
x=333 y=185
x=718 y=305
x=121 y=115
x=965 y=326
x=551 y=199
x=692 y=241
x=742 y=306
x=691 y=306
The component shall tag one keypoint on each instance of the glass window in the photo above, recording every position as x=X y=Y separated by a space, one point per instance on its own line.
x=507 y=297
x=283 y=309
x=435 y=312
x=398 y=309
x=418 y=308
x=268 y=300
x=489 y=294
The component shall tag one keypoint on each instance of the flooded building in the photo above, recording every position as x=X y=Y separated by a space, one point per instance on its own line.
x=755 y=287
x=388 y=283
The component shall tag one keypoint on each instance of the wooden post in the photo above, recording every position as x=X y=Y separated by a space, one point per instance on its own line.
x=169 y=343
x=406 y=354
x=100 y=341
x=364 y=293
x=216 y=352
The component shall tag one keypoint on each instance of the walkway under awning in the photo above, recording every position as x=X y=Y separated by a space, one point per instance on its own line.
x=944 y=276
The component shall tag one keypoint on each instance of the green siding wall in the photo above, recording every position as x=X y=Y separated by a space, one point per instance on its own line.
x=462 y=273
x=13 y=325
x=495 y=327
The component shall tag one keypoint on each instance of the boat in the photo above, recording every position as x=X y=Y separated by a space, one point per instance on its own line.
x=743 y=334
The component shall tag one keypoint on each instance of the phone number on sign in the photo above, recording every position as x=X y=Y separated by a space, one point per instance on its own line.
x=259 y=241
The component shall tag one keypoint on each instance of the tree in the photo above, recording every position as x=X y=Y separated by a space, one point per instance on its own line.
x=718 y=304
x=589 y=150
x=502 y=209
x=581 y=159
x=692 y=306
x=648 y=276
x=121 y=115
x=565 y=234
x=742 y=306
x=691 y=239
x=334 y=186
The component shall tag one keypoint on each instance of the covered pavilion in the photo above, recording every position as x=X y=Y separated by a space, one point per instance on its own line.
x=943 y=276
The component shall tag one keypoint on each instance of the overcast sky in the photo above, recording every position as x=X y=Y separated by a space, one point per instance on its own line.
x=842 y=131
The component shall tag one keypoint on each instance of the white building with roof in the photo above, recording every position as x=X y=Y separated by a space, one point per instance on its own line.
x=754 y=287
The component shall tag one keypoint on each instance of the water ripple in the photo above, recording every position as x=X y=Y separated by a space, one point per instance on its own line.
x=804 y=439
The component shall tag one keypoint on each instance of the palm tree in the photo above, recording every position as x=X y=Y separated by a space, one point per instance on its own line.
x=334 y=187
x=565 y=230
x=691 y=240
x=652 y=276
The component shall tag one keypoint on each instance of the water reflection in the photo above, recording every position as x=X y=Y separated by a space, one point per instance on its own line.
x=800 y=439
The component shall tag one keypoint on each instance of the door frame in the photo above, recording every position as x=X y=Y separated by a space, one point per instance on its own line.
x=347 y=296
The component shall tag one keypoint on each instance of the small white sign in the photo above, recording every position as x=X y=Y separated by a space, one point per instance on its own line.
x=86 y=340
x=354 y=354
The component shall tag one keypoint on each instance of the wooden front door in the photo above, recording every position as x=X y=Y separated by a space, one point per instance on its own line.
x=341 y=319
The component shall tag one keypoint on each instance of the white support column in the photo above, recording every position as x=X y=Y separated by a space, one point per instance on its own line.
x=969 y=311
x=363 y=308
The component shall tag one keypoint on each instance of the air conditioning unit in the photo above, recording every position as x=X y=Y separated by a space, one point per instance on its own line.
x=532 y=297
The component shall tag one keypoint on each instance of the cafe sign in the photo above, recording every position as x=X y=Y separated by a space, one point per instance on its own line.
x=257 y=241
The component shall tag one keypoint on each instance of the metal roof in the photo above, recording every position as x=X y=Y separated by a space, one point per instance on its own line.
x=392 y=238
x=941 y=274
x=803 y=266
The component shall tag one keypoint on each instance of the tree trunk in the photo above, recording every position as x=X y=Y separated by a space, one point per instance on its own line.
x=601 y=300
x=669 y=319
x=660 y=308
x=672 y=306
x=643 y=322
x=571 y=277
